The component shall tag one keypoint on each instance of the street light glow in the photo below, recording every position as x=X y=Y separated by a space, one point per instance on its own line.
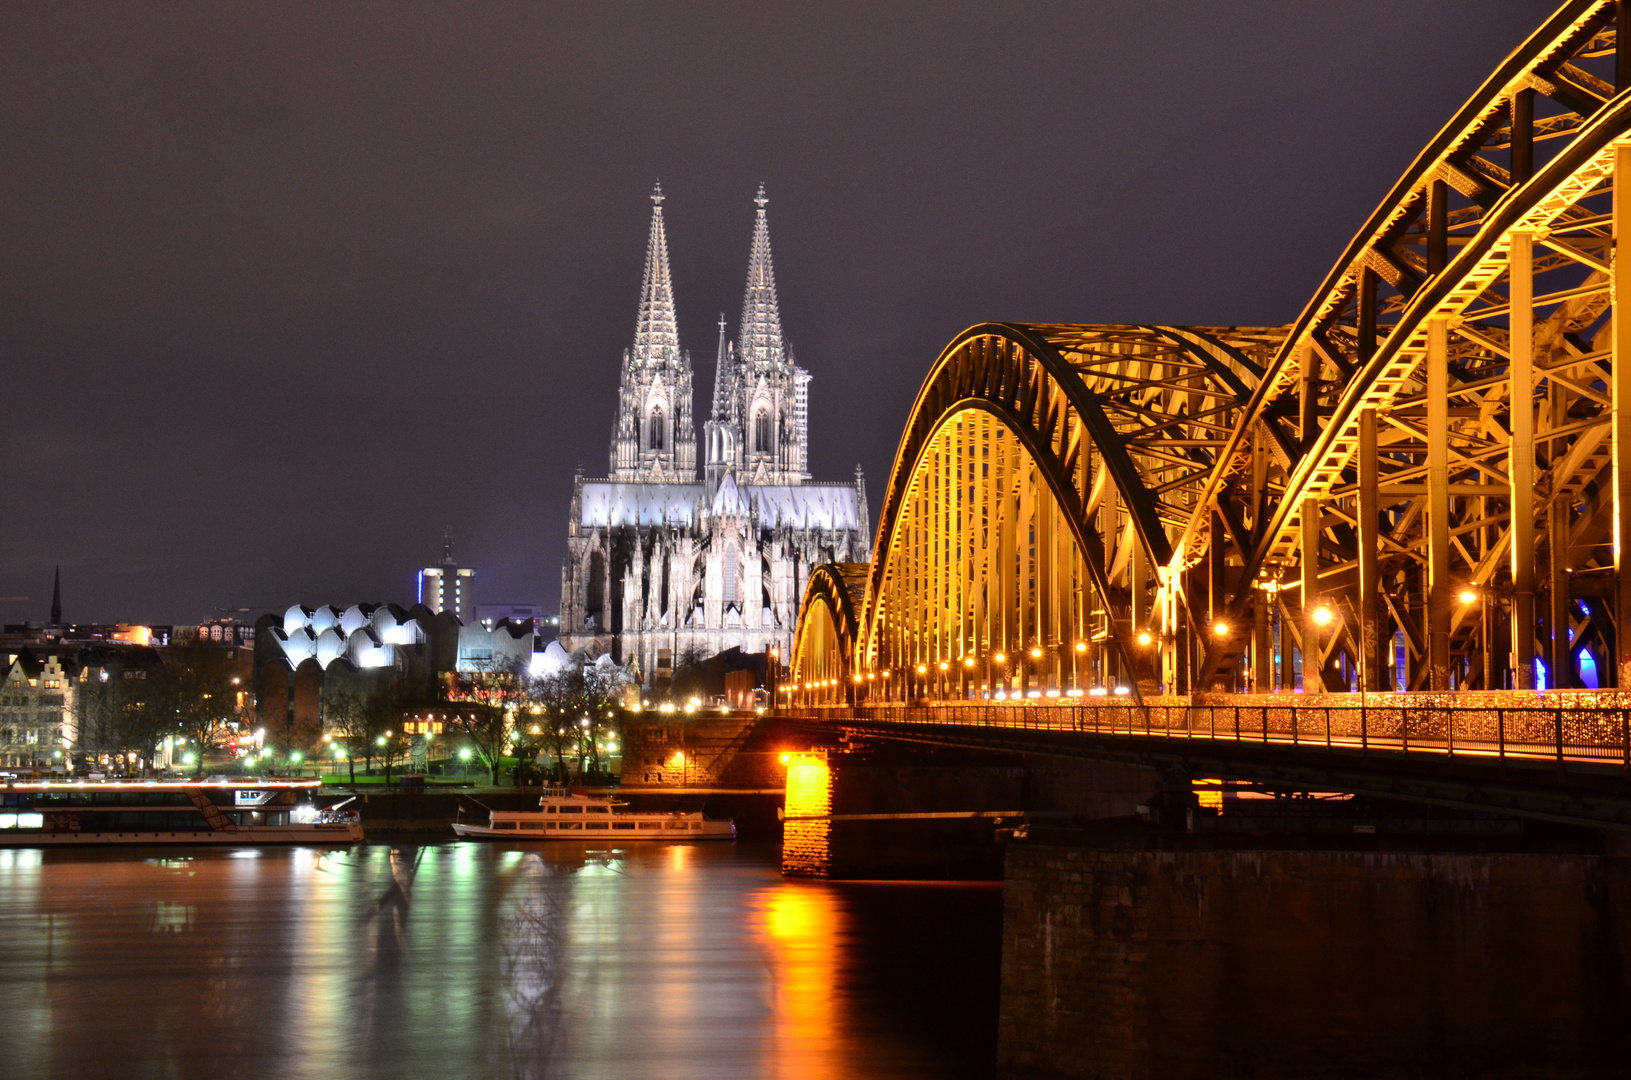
x=1322 y=616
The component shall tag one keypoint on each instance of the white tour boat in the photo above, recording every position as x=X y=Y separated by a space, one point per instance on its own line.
x=58 y=813
x=561 y=816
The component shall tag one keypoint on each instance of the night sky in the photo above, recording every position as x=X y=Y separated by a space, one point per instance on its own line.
x=286 y=289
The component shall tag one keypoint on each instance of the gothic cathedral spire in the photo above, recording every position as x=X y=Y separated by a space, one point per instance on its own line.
x=768 y=410
x=654 y=438
x=656 y=334
x=760 y=341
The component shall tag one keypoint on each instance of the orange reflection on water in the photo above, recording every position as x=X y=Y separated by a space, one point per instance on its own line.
x=799 y=926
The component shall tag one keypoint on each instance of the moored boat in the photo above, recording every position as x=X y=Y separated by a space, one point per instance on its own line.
x=38 y=813
x=563 y=816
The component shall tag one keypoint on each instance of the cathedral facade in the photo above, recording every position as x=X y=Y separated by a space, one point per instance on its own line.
x=666 y=564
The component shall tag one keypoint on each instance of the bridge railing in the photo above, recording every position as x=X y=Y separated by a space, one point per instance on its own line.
x=1590 y=727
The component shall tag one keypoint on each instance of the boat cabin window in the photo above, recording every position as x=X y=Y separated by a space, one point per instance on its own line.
x=622 y=824
x=571 y=809
x=532 y=824
x=503 y=824
x=598 y=810
x=651 y=824
x=596 y=825
x=549 y=809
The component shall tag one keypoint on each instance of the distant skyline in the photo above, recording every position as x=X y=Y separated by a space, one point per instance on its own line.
x=287 y=290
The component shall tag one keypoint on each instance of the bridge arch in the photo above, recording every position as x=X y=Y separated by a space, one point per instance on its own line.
x=822 y=665
x=1424 y=482
x=1068 y=452
x=1447 y=517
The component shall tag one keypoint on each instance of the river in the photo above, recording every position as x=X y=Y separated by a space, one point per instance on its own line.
x=443 y=960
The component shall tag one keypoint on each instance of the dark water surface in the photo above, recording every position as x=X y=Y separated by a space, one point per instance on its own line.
x=450 y=960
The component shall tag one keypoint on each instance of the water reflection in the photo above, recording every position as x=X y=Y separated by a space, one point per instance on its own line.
x=455 y=960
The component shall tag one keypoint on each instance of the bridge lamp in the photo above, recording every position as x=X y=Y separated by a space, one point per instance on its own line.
x=1322 y=616
x=1000 y=658
x=968 y=661
x=1220 y=629
x=1081 y=646
x=871 y=675
x=786 y=758
x=1144 y=638
x=1468 y=596
x=855 y=679
x=944 y=666
x=1036 y=652
x=922 y=670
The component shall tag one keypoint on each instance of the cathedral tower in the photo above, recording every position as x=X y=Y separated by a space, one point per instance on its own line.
x=760 y=396
x=655 y=438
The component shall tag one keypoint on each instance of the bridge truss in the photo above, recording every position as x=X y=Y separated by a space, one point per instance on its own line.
x=1417 y=485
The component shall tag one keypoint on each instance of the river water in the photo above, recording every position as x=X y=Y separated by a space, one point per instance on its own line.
x=447 y=960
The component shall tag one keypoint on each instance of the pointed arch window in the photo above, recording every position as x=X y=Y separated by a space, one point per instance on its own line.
x=761 y=432
x=655 y=430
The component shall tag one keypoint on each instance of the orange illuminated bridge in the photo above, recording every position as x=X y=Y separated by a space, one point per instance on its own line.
x=1380 y=549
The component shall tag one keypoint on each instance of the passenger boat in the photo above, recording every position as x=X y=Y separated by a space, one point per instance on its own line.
x=563 y=816
x=37 y=813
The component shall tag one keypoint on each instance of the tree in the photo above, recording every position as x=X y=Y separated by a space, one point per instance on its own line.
x=577 y=709
x=486 y=726
x=350 y=719
x=197 y=682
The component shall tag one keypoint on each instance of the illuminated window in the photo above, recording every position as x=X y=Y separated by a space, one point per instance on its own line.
x=655 y=431
x=761 y=432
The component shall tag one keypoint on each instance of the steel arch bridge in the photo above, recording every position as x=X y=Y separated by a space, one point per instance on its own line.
x=1423 y=484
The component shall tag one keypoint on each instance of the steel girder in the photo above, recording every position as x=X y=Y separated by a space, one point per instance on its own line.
x=1436 y=509
x=824 y=644
x=1112 y=433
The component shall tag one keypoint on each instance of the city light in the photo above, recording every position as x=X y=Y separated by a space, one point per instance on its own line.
x=1081 y=646
x=944 y=666
x=1036 y=652
x=1220 y=629
x=968 y=661
x=1144 y=637
x=1468 y=596
x=1322 y=616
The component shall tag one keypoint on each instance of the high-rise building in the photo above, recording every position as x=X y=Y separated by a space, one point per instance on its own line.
x=663 y=564
x=448 y=587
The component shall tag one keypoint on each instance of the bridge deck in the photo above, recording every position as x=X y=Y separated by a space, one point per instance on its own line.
x=1562 y=756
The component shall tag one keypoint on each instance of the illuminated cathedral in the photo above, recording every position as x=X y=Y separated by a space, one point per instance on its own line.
x=664 y=564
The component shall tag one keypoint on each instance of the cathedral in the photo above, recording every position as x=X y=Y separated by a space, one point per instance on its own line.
x=666 y=565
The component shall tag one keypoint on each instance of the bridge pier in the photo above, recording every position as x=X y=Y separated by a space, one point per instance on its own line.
x=885 y=811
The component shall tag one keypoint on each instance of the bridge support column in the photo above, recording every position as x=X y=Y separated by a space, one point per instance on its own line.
x=1560 y=654
x=1621 y=429
x=1521 y=458
x=1313 y=653
x=1439 y=586
x=1373 y=636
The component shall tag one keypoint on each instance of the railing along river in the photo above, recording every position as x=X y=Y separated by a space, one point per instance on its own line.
x=1580 y=726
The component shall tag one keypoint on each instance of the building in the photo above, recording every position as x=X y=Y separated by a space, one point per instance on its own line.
x=448 y=587
x=664 y=565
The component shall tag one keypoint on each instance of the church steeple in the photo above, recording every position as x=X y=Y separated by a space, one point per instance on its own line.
x=56 y=598
x=654 y=438
x=656 y=334
x=770 y=402
x=760 y=341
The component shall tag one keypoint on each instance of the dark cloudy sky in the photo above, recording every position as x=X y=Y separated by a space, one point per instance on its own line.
x=287 y=288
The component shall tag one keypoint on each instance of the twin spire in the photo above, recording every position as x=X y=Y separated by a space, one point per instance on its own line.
x=656 y=331
x=760 y=341
x=656 y=334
